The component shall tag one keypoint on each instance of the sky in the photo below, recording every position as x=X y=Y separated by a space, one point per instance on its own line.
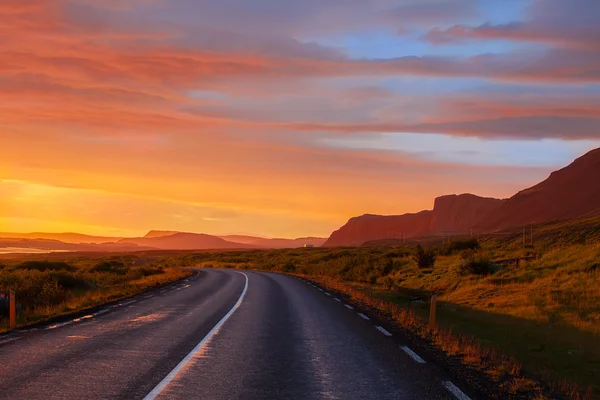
x=283 y=118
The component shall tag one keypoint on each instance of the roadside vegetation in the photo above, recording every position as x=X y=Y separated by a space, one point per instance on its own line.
x=513 y=306
x=62 y=284
x=505 y=306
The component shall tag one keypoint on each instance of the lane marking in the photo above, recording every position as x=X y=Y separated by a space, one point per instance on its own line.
x=348 y=306
x=336 y=299
x=126 y=303
x=101 y=312
x=149 y=296
x=452 y=388
x=412 y=354
x=4 y=341
x=328 y=294
x=198 y=349
x=363 y=316
x=82 y=318
x=383 y=330
x=320 y=289
x=60 y=325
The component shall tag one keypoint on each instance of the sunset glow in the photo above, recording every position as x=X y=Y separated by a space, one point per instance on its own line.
x=283 y=118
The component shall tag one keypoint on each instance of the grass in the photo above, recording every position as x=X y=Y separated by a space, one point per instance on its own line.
x=543 y=315
x=58 y=285
x=539 y=319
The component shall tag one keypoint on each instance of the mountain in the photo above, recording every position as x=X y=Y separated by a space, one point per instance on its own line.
x=275 y=243
x=571 y=192
x=63 y=237
x=186 y=241
x=156 y=234
x=452 y=214
x=254 y=241
x=55 y=245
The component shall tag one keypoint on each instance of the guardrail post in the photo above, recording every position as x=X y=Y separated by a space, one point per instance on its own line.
x=432 y=311
x=13 y=310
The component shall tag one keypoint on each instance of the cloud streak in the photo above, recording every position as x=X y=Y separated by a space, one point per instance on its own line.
x=226 y=105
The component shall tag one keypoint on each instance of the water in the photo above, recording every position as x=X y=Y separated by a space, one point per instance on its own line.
x=22 y=250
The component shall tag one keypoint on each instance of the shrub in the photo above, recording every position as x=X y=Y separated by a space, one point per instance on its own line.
x=69 y=281
x=289 y=267
x=424 y=258
x=475 y=263
x=460 y=245
x=387 y=283
x=111 y=267
x=46 y=266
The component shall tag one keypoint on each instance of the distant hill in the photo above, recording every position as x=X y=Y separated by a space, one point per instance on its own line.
x=63 y=237
x=185 y=241
x=571 y=192
x=275 y=243
x=452 y=214
x=55 y=245
x=156 y=234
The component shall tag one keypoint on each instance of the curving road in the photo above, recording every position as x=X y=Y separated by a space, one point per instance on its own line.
x=220 y=335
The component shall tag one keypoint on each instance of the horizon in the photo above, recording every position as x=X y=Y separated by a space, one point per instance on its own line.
x=250 y=116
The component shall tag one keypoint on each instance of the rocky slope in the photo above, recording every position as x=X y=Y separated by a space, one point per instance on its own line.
x=451 y=214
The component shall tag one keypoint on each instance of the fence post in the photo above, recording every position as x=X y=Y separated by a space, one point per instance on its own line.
x=13 y=310
x=432 y=310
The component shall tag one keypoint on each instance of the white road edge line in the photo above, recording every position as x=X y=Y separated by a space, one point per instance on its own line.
x=173 y=374
x=363 y=316
x=101 y=312
x=383 y=330
x=452 y=388
x=348 y=306
x=413 y=355
x=9 y=340
x=336 y=299
x=328 y=294
x=60 y=325
x=320 y=289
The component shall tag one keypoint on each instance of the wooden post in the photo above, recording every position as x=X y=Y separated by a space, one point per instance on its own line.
x=432 y=311
x=13 y=310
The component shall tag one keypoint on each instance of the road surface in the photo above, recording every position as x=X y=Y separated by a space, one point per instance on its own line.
x=222 y=334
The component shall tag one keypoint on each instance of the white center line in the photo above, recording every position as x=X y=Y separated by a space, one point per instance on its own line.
x=336 y=299
x=348 y=306
x=320 y=289
x=149 y=296
x=383 y=330
x=412 y=354
x=452 y=388
x=9 y=340
x=198 y=349
x=127 y=303
x=363 y=316
x=328 y=294
x=101 y=312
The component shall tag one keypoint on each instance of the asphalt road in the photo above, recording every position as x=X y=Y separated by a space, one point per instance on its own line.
x=221 y=335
